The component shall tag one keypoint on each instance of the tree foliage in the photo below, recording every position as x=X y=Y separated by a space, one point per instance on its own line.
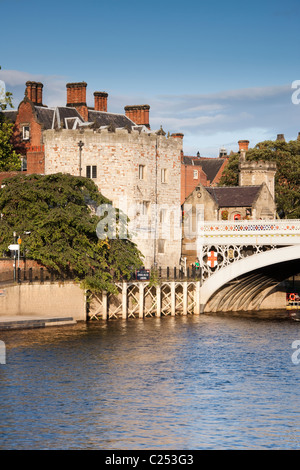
x=287 y=178
x=9 y=158
x=59 y=211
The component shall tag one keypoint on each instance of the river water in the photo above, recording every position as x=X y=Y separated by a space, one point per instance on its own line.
x=196 y=382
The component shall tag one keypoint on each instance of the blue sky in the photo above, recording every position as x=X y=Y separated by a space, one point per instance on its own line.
x=216 y=71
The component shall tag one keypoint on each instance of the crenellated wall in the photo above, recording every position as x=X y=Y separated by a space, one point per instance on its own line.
x=138 y=171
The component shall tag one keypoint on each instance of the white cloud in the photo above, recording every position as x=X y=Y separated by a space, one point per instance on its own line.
x=54 y=86
x=256 y=114
x=207 y=121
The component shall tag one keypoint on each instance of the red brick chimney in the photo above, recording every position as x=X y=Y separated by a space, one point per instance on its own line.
x=139 y=114
x=100 y=100
x=243 y=145
x=76 y=98
x=34 y=92
x=178 y=135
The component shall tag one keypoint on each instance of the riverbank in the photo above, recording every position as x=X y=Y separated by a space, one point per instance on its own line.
x=17 y=322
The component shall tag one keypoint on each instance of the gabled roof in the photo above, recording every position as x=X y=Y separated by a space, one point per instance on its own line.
x=234 y=196
x=210 y=166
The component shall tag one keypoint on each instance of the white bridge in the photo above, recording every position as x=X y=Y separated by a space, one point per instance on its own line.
x=242 y=262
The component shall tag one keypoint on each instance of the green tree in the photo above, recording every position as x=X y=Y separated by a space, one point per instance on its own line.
x=287 y=178
x=9 y=159
x=59 y=211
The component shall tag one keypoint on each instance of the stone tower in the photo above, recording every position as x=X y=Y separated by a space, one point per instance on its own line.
x=255 y=173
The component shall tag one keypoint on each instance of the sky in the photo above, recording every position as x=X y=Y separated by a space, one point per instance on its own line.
x=216 y=71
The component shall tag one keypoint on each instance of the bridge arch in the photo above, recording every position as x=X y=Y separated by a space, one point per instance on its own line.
x=247 y=267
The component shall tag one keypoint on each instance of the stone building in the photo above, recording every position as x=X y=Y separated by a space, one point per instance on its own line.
x=252 y=199
x=137 y=168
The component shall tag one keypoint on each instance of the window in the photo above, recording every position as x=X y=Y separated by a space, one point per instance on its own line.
x=26 y=132
x=163 y=215
x=195 y=175
x=23 y=163
x=141 y=172
x=145 y=207
x=161 y=246
x=91 y=171
x=163 y=175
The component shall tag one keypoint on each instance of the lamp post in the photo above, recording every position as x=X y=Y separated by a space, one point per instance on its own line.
x=80 y=145
x=15 y=267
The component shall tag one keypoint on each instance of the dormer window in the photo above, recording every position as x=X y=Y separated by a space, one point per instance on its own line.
x=26 y=132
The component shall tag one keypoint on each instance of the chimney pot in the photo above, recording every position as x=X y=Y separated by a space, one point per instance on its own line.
x=243 y=145
x=76 y=98
x=139 y=114
x=178 y=135
x=34 y=92
x=100 y=101
x=280 y=137
x=76 y=93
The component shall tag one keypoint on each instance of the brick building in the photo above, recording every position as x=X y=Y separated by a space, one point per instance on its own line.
x=199 y=170
x=137 y=168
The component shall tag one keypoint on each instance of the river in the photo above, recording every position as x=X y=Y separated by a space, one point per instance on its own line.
x=197 y=382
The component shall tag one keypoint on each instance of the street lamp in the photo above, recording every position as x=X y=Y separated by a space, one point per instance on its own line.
x=80 y=145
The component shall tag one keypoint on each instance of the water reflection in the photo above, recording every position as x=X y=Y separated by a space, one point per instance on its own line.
x=214 y=381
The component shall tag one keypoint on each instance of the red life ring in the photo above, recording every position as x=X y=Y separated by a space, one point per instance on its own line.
x=292 y=297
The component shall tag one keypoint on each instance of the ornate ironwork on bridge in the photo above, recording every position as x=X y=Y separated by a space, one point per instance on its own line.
x=226 y=281
x=221 y=243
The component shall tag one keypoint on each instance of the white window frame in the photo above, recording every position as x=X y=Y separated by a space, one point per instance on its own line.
x=26 y=132
x=195 y=174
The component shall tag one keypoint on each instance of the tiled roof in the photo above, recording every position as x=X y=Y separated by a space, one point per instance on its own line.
x=102 y=118
x=234 y=196
x=210 y=166
x=11 y=115
x=44 y=116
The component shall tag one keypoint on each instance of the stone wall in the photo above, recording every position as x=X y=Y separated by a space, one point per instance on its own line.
x=43 y=300
x=256 y=173
x=138 y=171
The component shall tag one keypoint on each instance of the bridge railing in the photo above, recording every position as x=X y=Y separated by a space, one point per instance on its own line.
x=268 y=231
x=227 y=226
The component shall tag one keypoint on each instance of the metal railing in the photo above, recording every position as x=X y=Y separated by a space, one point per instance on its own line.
x=31 y=275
